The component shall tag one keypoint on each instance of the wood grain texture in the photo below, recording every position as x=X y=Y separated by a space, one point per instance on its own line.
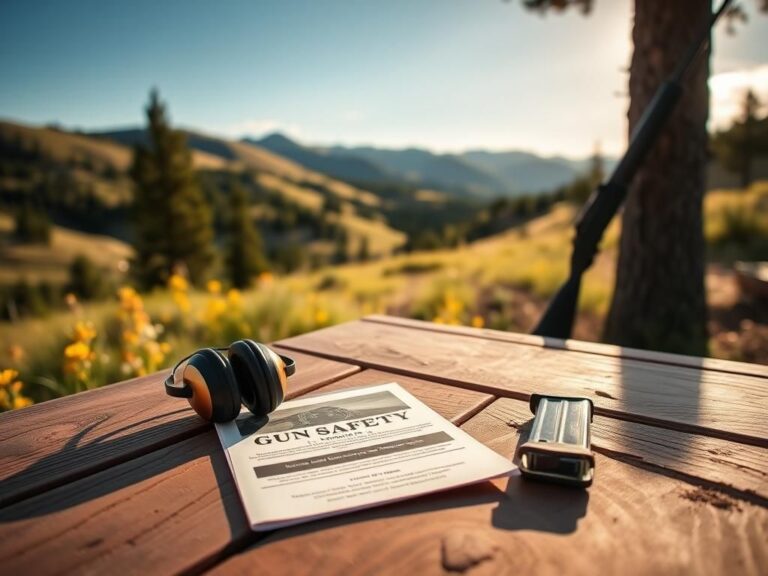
x=731 y=406
x=579 y=346
x=174 y=509
x=713 y=460
x=630 y=522
x=55 y=442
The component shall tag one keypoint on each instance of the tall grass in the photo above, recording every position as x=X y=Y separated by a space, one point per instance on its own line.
x=500 y=283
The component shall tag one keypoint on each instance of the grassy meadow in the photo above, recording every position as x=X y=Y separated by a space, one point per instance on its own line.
x=502 y=282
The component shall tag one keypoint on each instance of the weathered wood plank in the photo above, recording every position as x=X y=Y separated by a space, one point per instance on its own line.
x=55 y=442
x=579 y=346
x=162 y=513
x=631 y=521
x=743 y=468
x=174 y=509
x=730 y=406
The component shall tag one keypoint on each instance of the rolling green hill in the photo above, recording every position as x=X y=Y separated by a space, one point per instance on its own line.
x=82 y=181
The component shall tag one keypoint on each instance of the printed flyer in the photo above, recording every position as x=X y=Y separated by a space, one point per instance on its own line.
x=347 y=450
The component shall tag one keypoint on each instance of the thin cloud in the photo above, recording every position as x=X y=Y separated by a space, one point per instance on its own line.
x=727 y=91
x=261 y=127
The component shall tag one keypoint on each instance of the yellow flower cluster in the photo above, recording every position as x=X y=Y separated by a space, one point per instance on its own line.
x=224 y=313
x=79 y=355
x=450 y=309
x=318 y=316
x=11 y=397
x=141 y=351
x=179 y=288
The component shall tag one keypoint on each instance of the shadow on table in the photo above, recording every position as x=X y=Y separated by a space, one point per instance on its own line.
x=531 y=505
x=41 y=489
x=663 y=397
x=640 y=386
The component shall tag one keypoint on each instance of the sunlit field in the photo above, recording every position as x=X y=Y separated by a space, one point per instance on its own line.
x=502 y=282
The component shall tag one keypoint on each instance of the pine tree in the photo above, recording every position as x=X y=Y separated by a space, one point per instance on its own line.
x=172 y=217
x=747 y=139
x=86 y=280
x=245 y=254
x=341 y=247
x=364 y=251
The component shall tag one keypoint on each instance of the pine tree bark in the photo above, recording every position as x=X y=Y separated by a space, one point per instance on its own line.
x=659 y=299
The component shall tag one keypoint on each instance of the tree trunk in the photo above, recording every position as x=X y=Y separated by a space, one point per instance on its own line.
x=659 y=300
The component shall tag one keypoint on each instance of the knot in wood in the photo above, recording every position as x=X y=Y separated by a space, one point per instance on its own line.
x=462 y=550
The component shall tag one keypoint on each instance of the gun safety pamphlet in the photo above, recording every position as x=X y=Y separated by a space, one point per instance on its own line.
x=342 y=451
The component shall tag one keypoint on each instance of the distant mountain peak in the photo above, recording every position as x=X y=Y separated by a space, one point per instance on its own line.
x=275 y=140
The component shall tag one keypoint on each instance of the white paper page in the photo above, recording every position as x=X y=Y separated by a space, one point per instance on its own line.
x=348 y=450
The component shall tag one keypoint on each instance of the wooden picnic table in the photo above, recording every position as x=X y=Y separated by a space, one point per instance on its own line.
x=126 y=480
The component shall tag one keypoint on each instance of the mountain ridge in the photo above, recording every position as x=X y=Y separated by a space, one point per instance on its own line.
x=475 y=173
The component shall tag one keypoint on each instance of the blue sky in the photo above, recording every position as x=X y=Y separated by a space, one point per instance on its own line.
x=444 y=74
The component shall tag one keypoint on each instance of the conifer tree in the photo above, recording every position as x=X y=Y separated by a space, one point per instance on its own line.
x=245 y=255
x=172 y=217
x=747 y=139
x=364 y=251
x=341 y=247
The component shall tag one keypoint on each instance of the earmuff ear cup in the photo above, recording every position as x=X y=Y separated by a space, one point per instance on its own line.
x=215 y=394
x=275 y=382
x=253 y=376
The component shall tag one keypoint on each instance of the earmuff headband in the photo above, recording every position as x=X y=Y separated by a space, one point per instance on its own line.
x=174 y=383
x=290 y=365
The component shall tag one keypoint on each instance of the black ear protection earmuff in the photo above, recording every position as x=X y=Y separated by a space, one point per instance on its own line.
x=216 y=381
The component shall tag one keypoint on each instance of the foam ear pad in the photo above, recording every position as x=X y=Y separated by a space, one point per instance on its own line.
x=215 y=394
x=252 y=375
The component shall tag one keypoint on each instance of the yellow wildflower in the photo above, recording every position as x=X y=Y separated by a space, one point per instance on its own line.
x=234 y=298
x=126 y=294
x=130 y=337
x=178 y=283
x=213 y=287
x=7 y=376
x=321 y=316
x=84 y=332
x=478 y=321
x=77 y=351
x=21 y=402
x=266 y=278
x=140 y=350
x=214 y=308
x=182 y=301
x=11 y=397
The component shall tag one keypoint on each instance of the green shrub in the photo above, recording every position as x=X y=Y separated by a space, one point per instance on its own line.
x=86 y=280
x=32 y=225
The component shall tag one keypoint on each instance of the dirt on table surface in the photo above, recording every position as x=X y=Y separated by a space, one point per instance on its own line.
x=711 y=497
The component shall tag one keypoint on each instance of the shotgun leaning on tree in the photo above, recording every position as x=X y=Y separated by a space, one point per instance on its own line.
x=604 y=202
